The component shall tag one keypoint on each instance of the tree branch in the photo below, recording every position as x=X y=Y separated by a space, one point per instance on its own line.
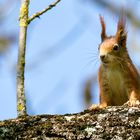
x=110 y=123
x=24 y=21
x=38 y=14
x=23 y=18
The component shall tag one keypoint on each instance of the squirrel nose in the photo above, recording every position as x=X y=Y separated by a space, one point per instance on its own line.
x=102 y=57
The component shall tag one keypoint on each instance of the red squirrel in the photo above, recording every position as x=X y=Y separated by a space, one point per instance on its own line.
x=119 y=80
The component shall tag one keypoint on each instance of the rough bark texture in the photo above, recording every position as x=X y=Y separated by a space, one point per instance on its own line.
x=116 y=123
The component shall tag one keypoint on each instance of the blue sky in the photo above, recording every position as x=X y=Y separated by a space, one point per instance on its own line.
x=61 y=55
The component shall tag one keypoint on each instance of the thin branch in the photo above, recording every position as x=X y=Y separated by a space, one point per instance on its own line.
x=24 y=21
x=38 y=14
x=23 y=18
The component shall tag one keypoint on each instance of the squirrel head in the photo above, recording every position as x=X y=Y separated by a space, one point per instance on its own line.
x=113 y=47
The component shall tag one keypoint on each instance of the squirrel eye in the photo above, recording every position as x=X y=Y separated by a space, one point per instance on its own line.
x=116 y=47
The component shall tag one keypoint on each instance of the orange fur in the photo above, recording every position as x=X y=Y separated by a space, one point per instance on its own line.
x=119 y=81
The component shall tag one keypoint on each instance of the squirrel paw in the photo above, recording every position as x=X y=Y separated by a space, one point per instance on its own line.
x=94 y=106
x=133 y=103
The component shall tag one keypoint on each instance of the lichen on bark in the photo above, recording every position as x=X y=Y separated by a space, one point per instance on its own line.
x=110 y=123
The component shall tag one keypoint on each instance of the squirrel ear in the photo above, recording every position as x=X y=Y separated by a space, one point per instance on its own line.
x=103 y=32
x=121 y=34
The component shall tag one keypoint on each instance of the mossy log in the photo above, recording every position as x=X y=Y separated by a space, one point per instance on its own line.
x=116 y=123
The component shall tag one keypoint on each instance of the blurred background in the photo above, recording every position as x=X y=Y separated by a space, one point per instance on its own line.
x=62 y=53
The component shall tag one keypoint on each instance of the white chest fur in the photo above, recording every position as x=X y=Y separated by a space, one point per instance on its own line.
x=115 y=80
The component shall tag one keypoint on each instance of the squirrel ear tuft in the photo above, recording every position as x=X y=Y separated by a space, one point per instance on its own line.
x=103 y=32
x=121 y=34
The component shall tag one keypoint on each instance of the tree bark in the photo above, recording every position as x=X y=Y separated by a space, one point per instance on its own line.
x=24 y=21
x=23 y=18
x=116 y=123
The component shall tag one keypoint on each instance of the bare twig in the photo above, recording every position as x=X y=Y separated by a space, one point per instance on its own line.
x=38 y=14
x=23 y=17
x=24 y=21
